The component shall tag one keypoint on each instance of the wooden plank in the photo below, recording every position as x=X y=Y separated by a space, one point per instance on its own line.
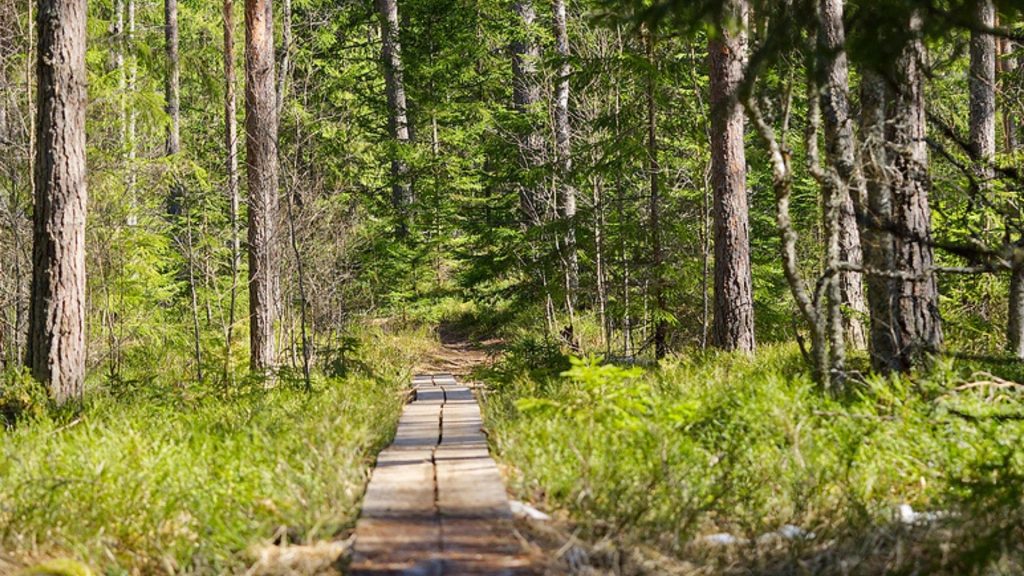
x=398 y=531
x=436 y=502
x=462 y=423
x=402 y=484
x=423 y=380
x=429 y=395
x=444 y=380
x=469 y=484
x=419 y=426
x=476 y=520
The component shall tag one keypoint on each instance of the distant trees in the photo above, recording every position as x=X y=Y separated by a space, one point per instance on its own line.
x=57 y=337
x=527 y=104
x=261 y=171
x=231 y=166
x=172 y=82
x=563 y=147
x=733 y=327
x=398 y=114
x=526 y=95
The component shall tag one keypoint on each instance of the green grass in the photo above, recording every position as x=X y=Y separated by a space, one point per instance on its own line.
x=716 y=443
x=189 y=479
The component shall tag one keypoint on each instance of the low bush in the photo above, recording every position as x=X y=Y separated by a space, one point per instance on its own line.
x=724 y=443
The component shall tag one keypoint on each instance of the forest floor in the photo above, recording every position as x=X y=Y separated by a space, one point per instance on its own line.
x=459 y=353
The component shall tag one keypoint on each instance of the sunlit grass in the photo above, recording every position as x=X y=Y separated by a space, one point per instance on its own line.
x=724 y=443
x=188 y=479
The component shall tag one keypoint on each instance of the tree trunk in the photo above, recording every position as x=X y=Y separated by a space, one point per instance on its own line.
x=983 y=92
x=833 y=80
x=876 y=231
x=286 y=60
x=1007 y=60
x=1015 y=320
x=654 y=173
x=56 y=351
x=173 y=80
x=525 y=97
x=261 y=170
x=398 y=121
x=563 y=148
x=599 y=266
x=133 y=72
x=231 y=147
x=733 y=324
x=917 y=323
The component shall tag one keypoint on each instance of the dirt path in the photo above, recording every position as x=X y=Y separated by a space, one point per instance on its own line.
x=460 y=355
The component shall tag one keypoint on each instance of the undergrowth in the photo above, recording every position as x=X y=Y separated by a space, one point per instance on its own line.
x=188 y=479
x=715 y=443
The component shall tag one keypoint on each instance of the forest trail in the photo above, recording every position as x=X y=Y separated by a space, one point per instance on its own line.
x=458 y=354
x=436 y=503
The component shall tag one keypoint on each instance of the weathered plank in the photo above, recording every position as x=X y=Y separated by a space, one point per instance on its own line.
x=436 y=502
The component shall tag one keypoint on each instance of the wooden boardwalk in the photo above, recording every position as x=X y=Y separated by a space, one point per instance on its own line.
x=436 y=503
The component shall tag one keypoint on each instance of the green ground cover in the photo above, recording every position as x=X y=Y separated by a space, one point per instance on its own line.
x=188 y=479
x=711 y=444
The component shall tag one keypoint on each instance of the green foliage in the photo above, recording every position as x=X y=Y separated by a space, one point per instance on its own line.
x=21 y=397
x=602 y=392
x=63 y=567
x=746 y=445
x=189 y=479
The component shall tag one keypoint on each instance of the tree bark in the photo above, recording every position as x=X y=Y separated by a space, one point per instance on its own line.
x=261 y=171
x=877 y=222
x=398 y=121
x=983 y=92
x=654 y=208
x=231 y=147
x=525 y=96
x=286 y=60
x=563 y=148
x=733 y=324
x=1015 y=320
x=56 y=351
x=172 y=87
x=917 y=323
x=133 y=72
x=833 y=80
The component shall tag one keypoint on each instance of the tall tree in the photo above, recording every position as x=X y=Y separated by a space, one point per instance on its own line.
x=56 y=350
x=1015 y=323
x=563 y=147
x=982 y=83
x=733 y=324
x=398 y=121
x=916 y=320
x=172 y=82
x=879 y=256
x=261 y=172
x=231 y=147
x=982 y=141
x=525 y=97
x=654 y=208
x=840 y=184
x=1006 y=59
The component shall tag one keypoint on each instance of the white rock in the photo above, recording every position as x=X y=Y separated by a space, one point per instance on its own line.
x=907 y=515
x=791 y=532
x=721 y=539
x=523 y=510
